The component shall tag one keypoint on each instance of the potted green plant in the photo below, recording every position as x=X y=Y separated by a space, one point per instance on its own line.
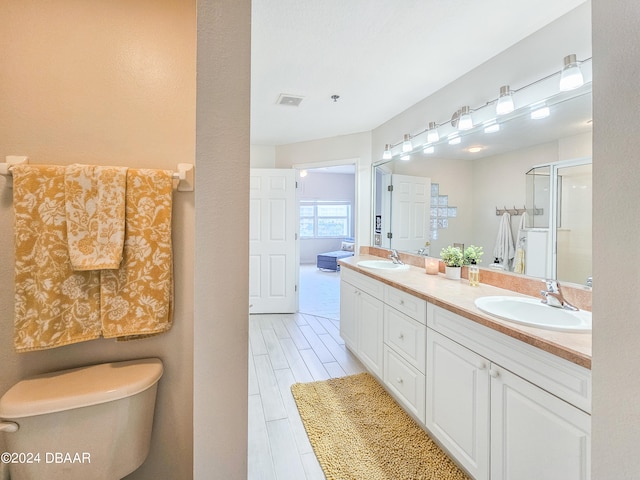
x=453 y=259
x=472 y=255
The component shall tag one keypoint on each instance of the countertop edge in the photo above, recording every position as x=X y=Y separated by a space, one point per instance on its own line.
x=519 y=333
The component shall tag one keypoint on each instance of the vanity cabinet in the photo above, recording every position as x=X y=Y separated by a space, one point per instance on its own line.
x=361 y=318
x=496 y=423
x=503 y=409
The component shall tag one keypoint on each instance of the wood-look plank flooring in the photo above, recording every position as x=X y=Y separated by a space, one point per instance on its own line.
x=285 y=349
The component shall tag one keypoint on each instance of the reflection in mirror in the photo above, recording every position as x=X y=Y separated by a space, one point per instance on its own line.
x=501 y=175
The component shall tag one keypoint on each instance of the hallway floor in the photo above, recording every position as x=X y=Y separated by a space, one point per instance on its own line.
x=285 y=349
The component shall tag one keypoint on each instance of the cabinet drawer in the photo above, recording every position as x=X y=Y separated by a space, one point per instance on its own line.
x=362 y=282
x=414 y=307
x=406 y=336
x=405 y=382
x=558 y=376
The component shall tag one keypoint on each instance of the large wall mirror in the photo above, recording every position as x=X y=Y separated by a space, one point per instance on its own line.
x=541 y=166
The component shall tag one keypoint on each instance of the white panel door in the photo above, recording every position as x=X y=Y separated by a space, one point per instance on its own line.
x=273 y=241
x=458 y=399
x=410 y=207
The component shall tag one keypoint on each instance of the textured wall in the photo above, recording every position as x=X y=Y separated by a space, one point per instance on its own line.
x=616 y=327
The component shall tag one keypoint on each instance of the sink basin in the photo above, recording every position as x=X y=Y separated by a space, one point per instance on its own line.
x=382 y=265
x=530 y=311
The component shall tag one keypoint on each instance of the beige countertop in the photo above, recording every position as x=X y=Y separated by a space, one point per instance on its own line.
x=458 y=297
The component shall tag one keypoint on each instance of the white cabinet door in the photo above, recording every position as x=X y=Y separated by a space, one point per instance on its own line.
x=370 y=332
x=348 y=312
x=458 y=402
x=535 y=435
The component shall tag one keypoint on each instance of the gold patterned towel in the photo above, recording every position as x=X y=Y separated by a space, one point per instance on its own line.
x=95 y=203
x=54 y=305
x=137 y=299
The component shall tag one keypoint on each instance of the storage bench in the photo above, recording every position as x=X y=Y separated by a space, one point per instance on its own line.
x=329 y=260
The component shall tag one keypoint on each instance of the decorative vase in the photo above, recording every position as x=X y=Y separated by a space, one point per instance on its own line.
x=452 y=273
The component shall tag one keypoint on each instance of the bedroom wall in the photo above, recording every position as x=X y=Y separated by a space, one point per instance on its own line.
x=106 y=82
x=324 y=186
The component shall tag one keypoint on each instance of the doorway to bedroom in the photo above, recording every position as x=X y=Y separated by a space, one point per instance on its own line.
x=326 y=206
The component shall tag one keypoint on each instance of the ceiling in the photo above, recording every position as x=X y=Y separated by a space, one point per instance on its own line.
x=379 y=56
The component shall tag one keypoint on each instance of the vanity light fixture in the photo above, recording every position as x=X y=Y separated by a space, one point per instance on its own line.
x=491 y=126
x=571 y=76
x=505 y=101
x=465 y=122
x=387 y=152
x=428 y=149
x=539 y=112
x=432 y=133
x=406 y=143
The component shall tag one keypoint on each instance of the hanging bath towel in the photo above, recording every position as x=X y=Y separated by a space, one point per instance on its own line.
x=521 y=246
x=94 y=205
x=137 y=298
x=504 y=250
x=54 y=305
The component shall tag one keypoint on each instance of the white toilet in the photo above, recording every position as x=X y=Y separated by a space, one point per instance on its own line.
x=85 y=423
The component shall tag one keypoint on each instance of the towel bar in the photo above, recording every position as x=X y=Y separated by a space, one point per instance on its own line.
x=184 y=172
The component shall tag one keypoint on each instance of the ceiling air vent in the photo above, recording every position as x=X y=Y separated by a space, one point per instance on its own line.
x=291 y=100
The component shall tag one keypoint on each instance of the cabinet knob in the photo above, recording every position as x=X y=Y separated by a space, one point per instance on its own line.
x=494 y=373
x=401 y=302
x=401 y=336
x=482 y=366
x=399 y=380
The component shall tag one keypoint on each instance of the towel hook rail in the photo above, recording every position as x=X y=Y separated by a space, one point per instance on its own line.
x=184 y=173
x=519 y=211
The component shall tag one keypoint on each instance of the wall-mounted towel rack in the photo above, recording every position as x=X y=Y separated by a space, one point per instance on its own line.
x=184 y=172
x=519 y=211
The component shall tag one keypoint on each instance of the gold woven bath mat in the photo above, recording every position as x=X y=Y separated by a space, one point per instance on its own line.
x=359 y=432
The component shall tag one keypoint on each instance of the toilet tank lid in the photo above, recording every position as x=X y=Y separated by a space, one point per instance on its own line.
x=79 y=387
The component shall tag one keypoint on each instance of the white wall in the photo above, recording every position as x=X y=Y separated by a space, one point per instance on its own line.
x=262 y=156
x=616 y=196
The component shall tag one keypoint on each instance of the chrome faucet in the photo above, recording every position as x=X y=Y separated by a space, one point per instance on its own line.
x=395 y=258
x=554 y=298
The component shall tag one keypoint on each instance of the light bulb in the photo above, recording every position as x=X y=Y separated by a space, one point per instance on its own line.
x=505 y=101
x=406 y=143
x=432 y=133
x=387 y=152
x=540 y=113
x=492 y=127
x=571 y=77
x=464 y=121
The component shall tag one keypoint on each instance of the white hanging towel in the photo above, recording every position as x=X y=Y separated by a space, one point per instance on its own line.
x=504 y=250
x=521 y=245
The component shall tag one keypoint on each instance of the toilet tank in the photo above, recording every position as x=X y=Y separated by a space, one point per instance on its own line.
x=84 y=423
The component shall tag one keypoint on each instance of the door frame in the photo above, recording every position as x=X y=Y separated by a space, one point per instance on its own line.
x=298 y=167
